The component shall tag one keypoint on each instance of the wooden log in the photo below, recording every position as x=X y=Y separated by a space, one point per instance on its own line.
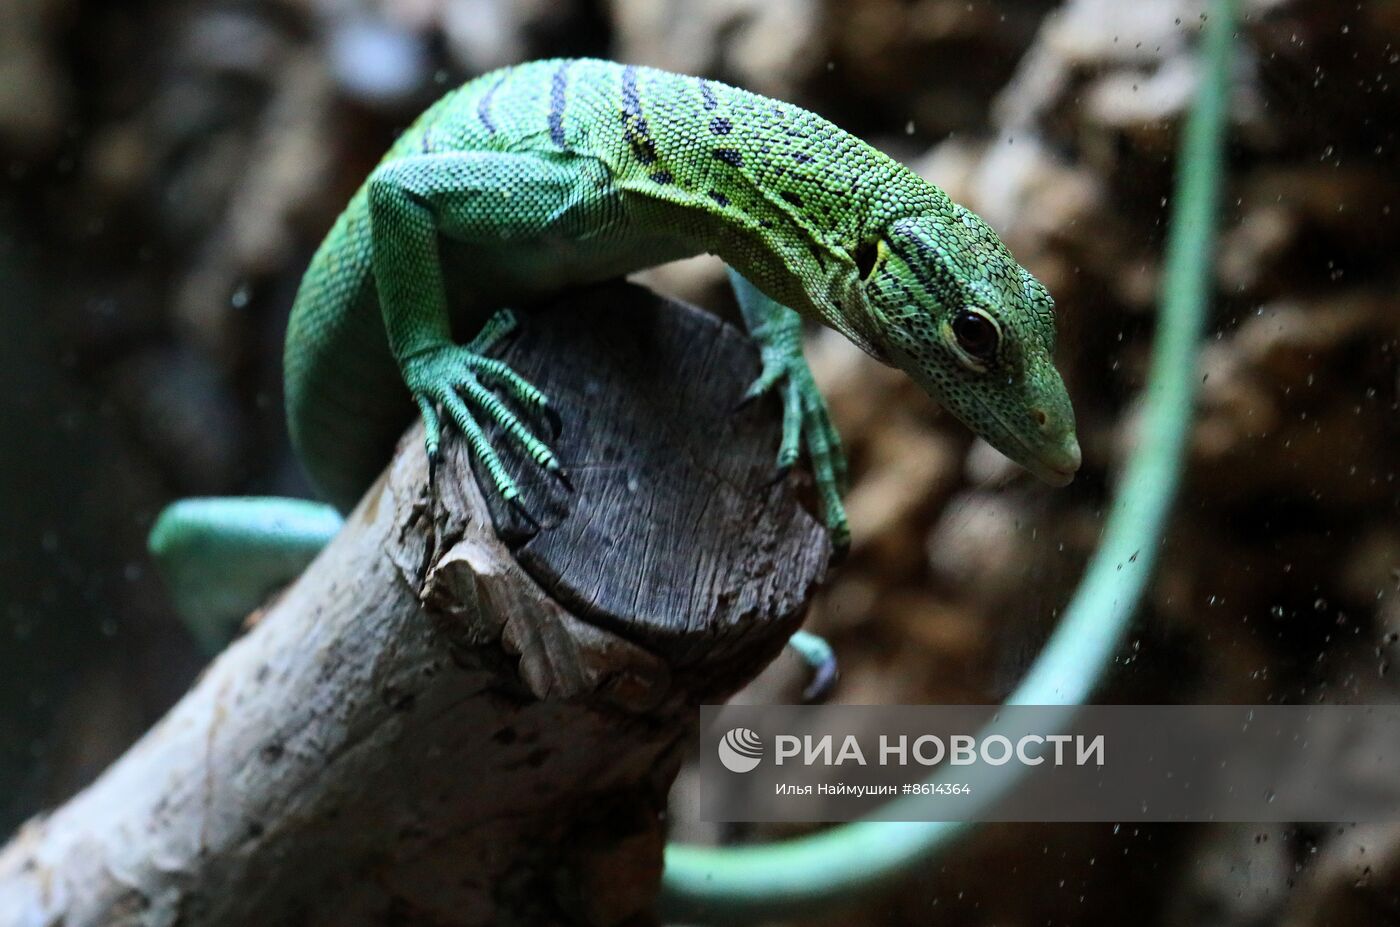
x=429 y=728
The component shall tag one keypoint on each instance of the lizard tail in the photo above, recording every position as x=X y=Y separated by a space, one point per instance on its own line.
x=221 y=558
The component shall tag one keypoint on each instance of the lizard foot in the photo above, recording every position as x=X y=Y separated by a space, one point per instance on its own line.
x=457 y=378
x=806 y=420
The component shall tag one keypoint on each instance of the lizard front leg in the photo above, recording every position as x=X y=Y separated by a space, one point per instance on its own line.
x=475 y=197
x=778 y=331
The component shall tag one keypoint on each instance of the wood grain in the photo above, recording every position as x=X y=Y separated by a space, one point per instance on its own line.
x=427 y=728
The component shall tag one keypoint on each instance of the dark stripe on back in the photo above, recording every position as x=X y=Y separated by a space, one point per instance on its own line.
x=634 y=125
x=708 y=95
x=483 y=106
x=557 y=91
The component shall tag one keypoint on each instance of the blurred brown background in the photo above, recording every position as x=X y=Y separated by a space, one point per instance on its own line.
x=167 y=168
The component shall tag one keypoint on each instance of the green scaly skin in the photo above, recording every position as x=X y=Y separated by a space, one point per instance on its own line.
x=560 y=173
x=567 y=172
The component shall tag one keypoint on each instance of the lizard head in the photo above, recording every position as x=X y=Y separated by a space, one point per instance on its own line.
x=950 y=306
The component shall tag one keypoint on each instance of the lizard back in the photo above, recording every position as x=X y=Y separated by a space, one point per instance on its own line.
x=682 y=165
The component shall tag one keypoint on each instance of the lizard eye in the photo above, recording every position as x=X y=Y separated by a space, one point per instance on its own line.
x=977 y=334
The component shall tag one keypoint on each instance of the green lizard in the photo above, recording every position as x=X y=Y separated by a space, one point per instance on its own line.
x=558 y=173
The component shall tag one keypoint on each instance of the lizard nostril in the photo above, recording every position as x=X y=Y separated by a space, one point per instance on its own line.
x=1040 y=417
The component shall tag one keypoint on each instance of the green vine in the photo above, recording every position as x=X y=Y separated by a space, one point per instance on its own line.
x=744 y=884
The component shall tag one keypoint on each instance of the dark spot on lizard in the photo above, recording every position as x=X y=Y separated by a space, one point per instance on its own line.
x=719 y=197
x=721 y=126
x=557 y=91
x=792 y=198
x=634 y=125
x=708 y=95
x=730 y=156
x=662 y=177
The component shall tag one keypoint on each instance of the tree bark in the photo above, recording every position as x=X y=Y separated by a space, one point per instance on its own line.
x=436 y=726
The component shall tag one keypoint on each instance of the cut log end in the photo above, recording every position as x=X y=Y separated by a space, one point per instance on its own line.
x=674 y=535
x=428 y=727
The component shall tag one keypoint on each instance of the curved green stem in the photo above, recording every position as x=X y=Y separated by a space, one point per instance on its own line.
x=743 y=884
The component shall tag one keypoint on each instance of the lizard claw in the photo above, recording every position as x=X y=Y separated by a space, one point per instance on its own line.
x=519 y=508
x=556 y=422
x=744 y=402
x=452 y=376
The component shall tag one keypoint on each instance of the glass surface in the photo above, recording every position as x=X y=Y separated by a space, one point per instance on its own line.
x=167 y=170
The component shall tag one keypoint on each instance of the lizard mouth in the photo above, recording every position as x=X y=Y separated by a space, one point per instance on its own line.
x=1058 y=471
x=1055 y=466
